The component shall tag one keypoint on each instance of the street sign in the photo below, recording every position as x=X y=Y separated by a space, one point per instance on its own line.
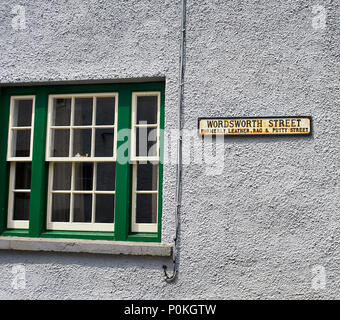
x=255 y=126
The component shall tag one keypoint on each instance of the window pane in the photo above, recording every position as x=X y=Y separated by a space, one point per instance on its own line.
x=106 y=176
x=22 y=116
x=147 y=109
x=83 y=111
x=62 y=112
x=83 y=176
x=104 y=142
x=82 y=208
x=146 y=208
x=60 y=207
x=105 y=111
x=22 y=141
x=146 y=142
x=62 y=173
x=23 y=175
x=82 y=142
x=21 y=206
x=105 y=204
x=147 y=176
x=60 y=143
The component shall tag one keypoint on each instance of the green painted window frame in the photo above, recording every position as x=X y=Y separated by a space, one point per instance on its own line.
x=39 y=181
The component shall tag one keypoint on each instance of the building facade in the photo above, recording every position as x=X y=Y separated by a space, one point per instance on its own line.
x=258 y=217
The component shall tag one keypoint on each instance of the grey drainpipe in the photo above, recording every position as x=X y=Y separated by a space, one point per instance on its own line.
x=179 y=145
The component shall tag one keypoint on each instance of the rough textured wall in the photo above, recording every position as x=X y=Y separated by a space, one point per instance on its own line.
x=257 y=224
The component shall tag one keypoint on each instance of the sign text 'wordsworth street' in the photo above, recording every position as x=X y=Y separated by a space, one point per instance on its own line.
x=255 y=126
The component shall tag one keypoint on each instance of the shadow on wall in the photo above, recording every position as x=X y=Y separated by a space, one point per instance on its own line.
x=83 y=260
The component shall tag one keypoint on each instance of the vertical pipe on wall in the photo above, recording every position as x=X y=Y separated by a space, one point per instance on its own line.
x=179 y=144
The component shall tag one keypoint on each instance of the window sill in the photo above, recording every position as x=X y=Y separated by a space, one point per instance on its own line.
x=85 y=246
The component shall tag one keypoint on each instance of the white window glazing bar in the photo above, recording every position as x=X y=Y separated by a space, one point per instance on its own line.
x=10 y=143
x=11 y=223
x=71 y=130
x=72 y=189
x=94 y=187
x=71 y=127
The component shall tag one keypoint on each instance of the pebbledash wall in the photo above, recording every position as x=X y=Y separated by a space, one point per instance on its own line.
x=264 y=226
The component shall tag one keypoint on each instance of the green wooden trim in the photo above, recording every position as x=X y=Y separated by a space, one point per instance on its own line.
x=89 y=235
x=37 y=220
x=85 y=88
x=144 y=237
x=123 y=168
x=161 y=159
x=4 y=167
x=16 y=233
x=38 y=201
x=138 y=237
